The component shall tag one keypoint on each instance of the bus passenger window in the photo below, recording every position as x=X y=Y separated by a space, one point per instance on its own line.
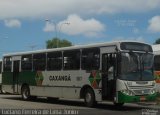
x=71 y=60
x=90 y=59
x=39 y=61
x=26 y=62
x=7 y=64
x=54 y=61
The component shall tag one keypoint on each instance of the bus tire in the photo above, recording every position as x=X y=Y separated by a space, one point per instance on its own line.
x=89 y=98
x=3 y=92
x=25 y=92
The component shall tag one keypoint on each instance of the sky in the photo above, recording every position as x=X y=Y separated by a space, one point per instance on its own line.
x=27 y=24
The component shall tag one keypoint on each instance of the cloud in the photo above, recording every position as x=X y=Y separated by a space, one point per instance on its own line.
x=140 y=39
x=75 y=25
x=12 y=23
x=52 y=8
x=154 y=24
x=136 y=31
x=49 y=27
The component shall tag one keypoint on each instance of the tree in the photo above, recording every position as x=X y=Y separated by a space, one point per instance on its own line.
x=57 y=43
x=157 y=41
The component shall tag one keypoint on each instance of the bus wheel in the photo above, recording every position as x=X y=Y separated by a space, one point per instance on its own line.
x=25 y=93
x=2 y=91
x=89 y=98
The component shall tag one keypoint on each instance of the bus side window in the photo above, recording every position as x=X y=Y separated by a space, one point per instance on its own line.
x=71 y=60
x=7 y=64
x=54 y=61
x=39 y=61
x=26 y=62
x=90 y=59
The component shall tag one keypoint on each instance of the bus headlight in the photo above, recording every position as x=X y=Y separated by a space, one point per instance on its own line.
x=152 y=91
x=128 y=92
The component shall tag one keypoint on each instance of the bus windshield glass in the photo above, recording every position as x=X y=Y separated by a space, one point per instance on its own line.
x=137 y=66
x=135 y=46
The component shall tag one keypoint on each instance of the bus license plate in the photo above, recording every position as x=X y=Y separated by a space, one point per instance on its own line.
x=142 y=98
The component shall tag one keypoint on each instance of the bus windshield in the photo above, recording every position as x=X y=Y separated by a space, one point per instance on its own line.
x=137 y=66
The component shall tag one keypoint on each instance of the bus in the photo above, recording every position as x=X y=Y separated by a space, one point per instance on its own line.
x=156 y=51
x=119 y=72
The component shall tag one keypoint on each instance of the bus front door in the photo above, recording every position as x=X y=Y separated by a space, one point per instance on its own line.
x=15 y=75
x=108 y=76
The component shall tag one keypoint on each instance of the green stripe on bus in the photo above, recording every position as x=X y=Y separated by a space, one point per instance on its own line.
x=27 y=77
x=7 y=78
x=23 y=77
x=122 y=98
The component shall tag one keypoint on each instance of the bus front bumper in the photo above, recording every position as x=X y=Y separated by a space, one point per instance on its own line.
x=123 y=98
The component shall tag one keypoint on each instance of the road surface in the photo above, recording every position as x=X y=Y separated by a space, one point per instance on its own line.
x=13 y=104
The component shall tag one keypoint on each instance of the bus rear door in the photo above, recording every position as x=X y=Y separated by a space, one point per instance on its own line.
x=16 y=68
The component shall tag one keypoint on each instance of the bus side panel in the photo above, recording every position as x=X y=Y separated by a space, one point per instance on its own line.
x=7 y=82
x=46 y=91
x=7 y=78
x=27 y=77
x=59 y=92
x=71 y=93
x=63 y=84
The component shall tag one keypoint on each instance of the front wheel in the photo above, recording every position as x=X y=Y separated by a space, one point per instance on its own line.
x=89 y=98
x=25 y=92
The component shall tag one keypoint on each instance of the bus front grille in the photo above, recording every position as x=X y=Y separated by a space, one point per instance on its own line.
x=142 y=92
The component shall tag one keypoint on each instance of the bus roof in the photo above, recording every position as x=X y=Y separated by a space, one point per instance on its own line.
x=71 y=48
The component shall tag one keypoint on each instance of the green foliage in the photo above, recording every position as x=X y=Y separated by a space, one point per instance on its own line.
x=57 y=43
x=157 y=41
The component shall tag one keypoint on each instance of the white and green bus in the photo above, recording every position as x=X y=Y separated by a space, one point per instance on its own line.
x=121 y=72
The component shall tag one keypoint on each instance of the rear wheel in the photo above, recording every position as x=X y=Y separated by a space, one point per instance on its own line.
x=89 y=98
x=2 y=91
x=25 y=92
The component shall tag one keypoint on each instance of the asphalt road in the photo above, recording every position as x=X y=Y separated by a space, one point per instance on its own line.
x=13 y=104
